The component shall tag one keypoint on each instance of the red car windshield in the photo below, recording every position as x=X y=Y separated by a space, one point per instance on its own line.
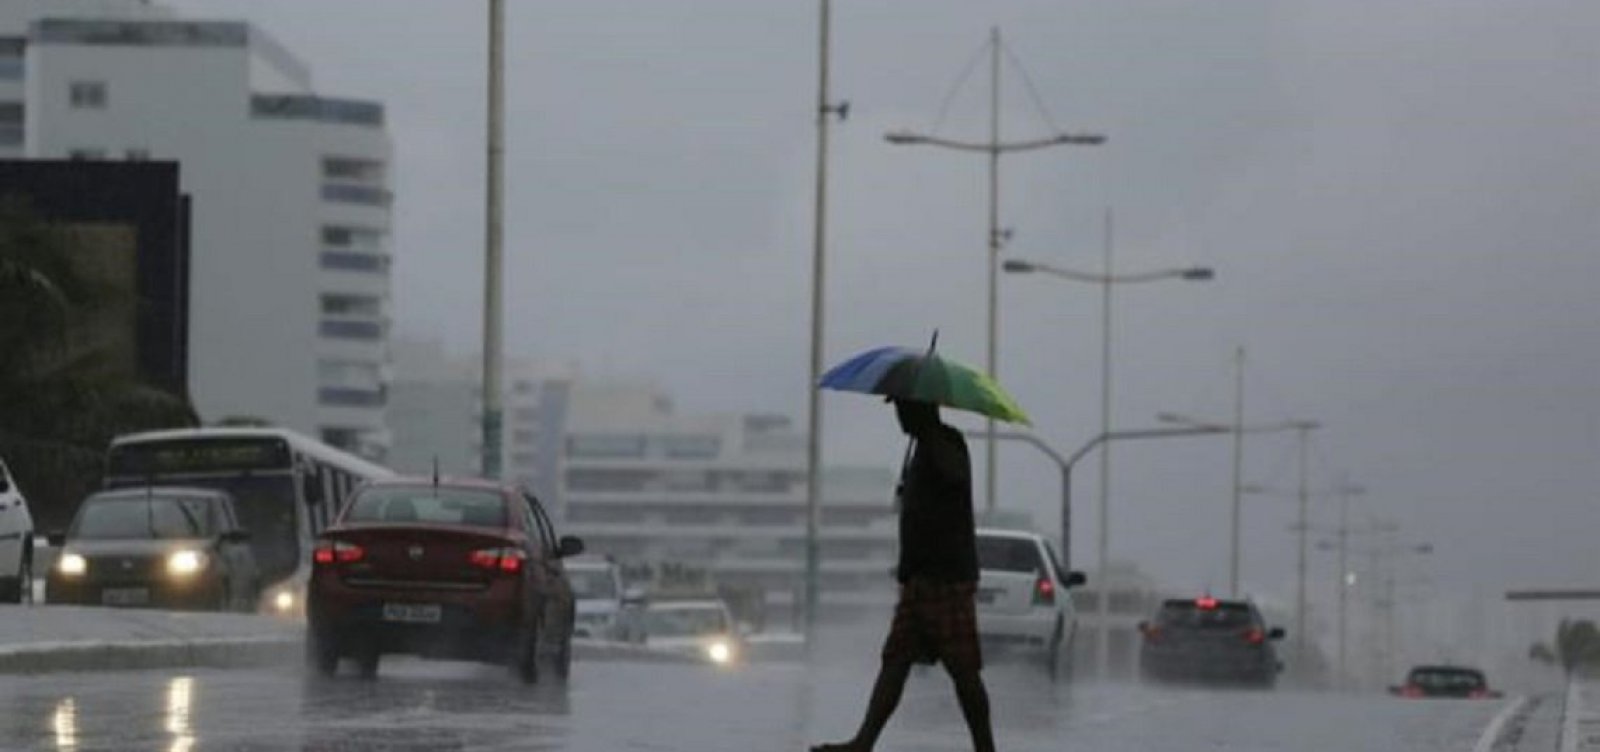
x=429 y=505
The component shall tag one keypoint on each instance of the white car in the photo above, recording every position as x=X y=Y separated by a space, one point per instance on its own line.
x=1023 y=598
x=701 y=627
x=16 y=542
x=597 y=589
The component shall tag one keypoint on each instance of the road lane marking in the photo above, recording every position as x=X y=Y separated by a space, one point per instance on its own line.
x=1491 y=733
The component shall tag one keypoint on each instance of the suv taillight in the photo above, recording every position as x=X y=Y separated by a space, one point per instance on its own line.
x=1255 y=636
x=506 y=559
x=340 y=552
x=1044 y=592
x=1411 y=690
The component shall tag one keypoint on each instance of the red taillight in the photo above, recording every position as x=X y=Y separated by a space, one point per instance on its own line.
x=1205 y=604
x=1255 y=636
x=1411 y=690
x=329 y=552
x=1478 y=694
x=1044 y=592
x=507 y=559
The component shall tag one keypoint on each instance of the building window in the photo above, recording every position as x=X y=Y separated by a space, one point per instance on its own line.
x=604 y=445
x=367 y=330
x=356 y=194
x=342 y=397
x=86 y=155
x=523 y=436
x=340 y=304
x=525 y=415
x=522 y=387
x=11 y=123
x=349 y=373
x=524 y=459
x=606 y=480
x=354 y=262
x=691 y=447
x=352 y=238
x=87 y=95
x=348 y=439
x=352 y=170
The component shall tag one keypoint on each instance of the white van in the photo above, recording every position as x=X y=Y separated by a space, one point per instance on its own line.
x=16 y=542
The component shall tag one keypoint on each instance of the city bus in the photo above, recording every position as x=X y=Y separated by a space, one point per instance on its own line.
x=286 y=487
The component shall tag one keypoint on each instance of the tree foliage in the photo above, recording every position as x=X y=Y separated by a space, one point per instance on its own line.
x=63 y=396
x=1576 y=647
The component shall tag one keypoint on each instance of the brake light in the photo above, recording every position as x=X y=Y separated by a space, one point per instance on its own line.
x=1411 y=690
x=1255 y=636
x=1207 y=603
x=507 y=559
x=1478 y=694
x=342 y=552
x=1044 y=592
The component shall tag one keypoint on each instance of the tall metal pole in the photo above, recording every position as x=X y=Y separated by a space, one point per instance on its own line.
x=1238 y=471
x=814 y=394
x=493 y=239
x=1303 y=526
x=1102 y=605
x=991 y=451
x=1344 y=585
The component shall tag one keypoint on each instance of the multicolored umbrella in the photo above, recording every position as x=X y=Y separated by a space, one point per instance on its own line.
x=903 y=373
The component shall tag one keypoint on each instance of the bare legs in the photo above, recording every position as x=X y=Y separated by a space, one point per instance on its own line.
x=886 y=693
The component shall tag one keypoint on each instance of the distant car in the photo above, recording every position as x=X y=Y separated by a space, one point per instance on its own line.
x=1023 y=598
x=156 y=547
x=458 y=569
x=597 y=587
x=1209 y=640
x=16 y=541
x=1445 y=681
x=702 y=628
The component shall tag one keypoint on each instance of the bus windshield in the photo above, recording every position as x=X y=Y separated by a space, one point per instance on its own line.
x=266 y=506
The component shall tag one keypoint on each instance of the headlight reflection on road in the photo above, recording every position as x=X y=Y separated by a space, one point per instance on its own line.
x=180 y=692
x=65 y=723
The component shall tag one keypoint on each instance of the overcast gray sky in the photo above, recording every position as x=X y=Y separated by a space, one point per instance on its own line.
x=1400 y=200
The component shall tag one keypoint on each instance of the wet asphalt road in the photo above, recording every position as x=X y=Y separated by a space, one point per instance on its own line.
x=615 y=707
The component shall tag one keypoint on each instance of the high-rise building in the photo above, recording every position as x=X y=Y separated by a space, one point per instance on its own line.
x=723 y=497
x=289 y=294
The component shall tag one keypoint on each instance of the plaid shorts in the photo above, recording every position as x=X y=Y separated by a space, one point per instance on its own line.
x=935 y=621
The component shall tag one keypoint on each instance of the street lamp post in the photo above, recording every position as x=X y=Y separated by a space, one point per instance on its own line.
x=493 y=244
x=826 y=109
x=994 y=147
x=1302 y=530
x=1237 y=430
x=1107 y=279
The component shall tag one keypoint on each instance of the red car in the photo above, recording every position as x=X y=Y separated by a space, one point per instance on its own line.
x=457 y=569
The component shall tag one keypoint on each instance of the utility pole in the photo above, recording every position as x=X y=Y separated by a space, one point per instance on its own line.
x=991 y=446
x=1303 y=527
x=493 y=240
x=825 y=110
x=1103 y=561
x=1238 y=471
x=1344 y=582
x=994 y=147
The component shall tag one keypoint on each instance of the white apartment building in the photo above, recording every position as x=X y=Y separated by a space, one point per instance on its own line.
x=289 y=286
x=724 y=494
x=435 y=412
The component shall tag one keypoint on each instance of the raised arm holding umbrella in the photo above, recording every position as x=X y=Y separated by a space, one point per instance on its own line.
x=935 y=619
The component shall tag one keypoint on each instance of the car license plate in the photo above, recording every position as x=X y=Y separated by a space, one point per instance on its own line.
x=125 y=596
x=986 y=596
x=412 y=613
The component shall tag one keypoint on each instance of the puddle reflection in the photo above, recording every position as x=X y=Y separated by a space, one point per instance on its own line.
x=64 y=721
x=180 y=697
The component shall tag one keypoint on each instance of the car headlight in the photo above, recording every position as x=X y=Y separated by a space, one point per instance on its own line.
x=283 y=601
x=719 y=652
x=72 y=564
x=184 y=563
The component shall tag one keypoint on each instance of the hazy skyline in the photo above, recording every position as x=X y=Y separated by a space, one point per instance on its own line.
x=1400 y=205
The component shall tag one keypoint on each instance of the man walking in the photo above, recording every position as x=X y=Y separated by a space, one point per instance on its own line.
x=935 y=619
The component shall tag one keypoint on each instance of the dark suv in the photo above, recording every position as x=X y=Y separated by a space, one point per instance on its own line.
x=1209 y=640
